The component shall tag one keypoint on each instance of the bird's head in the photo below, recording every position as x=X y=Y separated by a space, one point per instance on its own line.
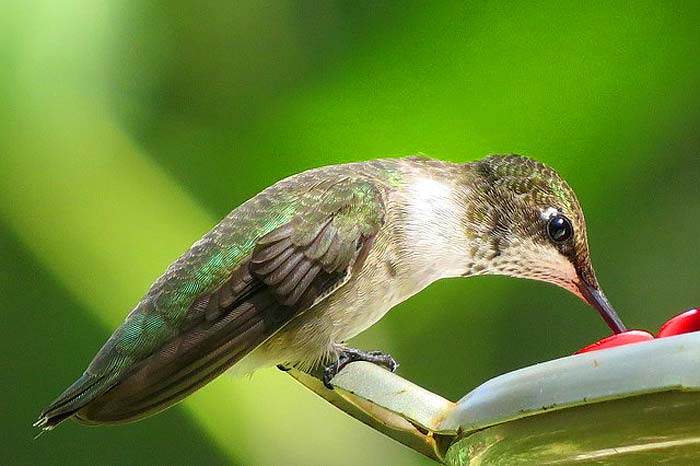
x=525 y=221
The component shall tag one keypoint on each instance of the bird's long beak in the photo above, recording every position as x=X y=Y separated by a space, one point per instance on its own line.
x=593 y=295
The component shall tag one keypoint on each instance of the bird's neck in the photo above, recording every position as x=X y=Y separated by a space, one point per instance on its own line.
x=434 y=200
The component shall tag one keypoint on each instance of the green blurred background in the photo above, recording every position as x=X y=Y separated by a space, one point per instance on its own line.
x=128 y=128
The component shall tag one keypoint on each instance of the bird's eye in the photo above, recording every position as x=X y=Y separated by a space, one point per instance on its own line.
x=559 y=229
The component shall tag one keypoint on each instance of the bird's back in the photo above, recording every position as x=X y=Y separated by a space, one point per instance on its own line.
x=203 y=314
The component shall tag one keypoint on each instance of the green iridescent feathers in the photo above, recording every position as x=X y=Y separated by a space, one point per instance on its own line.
x=274 y=256
x=301 y=259
x=524 y=176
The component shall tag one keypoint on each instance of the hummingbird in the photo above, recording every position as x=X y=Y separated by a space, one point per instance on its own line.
x=293 y=273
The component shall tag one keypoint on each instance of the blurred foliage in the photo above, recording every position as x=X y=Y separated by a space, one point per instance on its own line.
x=129 y=127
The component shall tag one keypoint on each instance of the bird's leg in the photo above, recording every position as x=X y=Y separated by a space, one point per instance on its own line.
x=348 y=355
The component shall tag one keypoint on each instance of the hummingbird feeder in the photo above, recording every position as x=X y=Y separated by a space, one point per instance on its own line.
x=628 y=399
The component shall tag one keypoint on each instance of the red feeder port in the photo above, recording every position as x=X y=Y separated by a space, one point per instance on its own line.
x=686 y=322
x=625 y=338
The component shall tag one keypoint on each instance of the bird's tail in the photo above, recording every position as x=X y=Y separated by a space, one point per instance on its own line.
x=118 y=389
x=80 y=393
x=180 y=367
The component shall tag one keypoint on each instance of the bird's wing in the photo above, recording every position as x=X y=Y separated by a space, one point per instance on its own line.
x=144 y=368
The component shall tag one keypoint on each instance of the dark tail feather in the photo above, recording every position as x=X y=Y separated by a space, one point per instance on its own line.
x=82 y=392
x=221 y=333
x=186 y=363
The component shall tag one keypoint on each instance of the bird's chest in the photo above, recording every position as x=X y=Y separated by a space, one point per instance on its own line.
x=417 y=245
x=384 y=281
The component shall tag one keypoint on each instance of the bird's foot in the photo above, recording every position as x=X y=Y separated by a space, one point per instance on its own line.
x=283 y=368
x=348 y=355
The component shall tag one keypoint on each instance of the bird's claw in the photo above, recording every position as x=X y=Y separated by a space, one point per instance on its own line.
x=348 y=355
x=283 y=368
